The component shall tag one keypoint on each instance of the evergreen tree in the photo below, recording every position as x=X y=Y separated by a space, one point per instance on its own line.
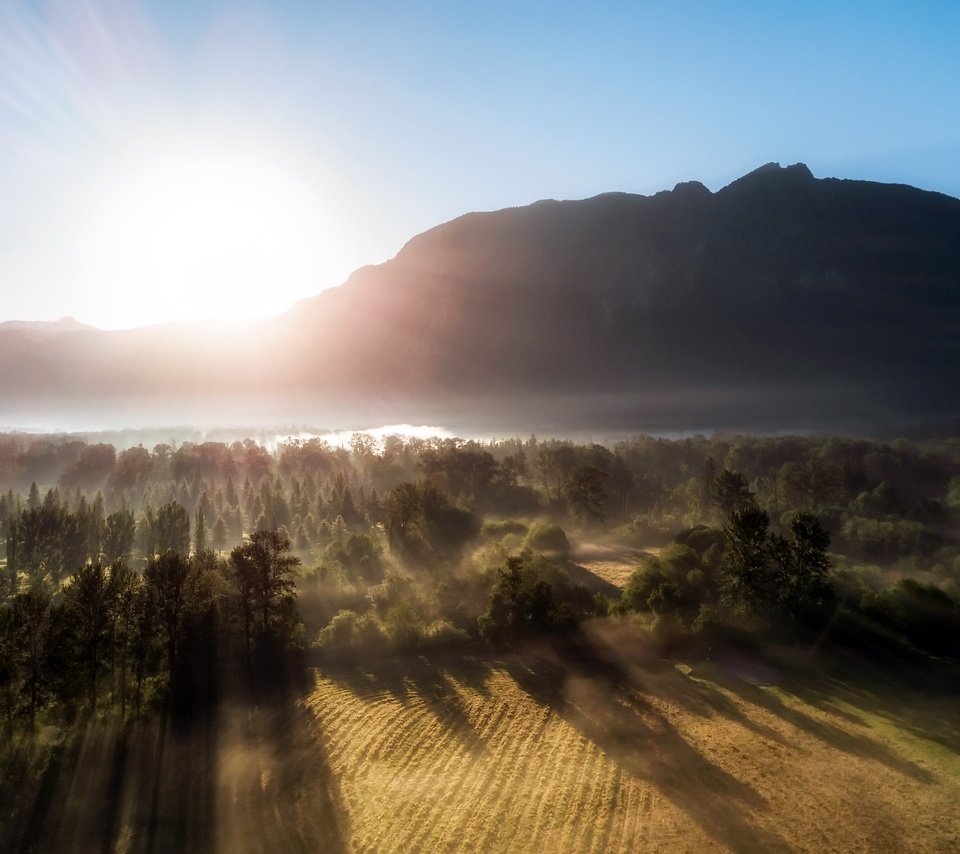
x=200 y=532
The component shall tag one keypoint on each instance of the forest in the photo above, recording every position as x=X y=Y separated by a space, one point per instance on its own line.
x=141 y=579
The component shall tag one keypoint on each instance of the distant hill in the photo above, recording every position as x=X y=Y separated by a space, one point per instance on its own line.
x=780 y=302
x=64 y=324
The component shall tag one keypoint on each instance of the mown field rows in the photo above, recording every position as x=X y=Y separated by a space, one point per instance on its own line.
x=533 y=754
x=474 y=767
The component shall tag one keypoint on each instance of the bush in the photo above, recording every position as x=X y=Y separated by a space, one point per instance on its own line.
x=497 y=529
x=443 y=633
x=549 y=538
x=358 y=556
x=403 y=629
x=671 y=582
x=349 y=633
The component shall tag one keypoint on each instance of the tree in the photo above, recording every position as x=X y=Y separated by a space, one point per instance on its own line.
x=171 y=529
x=219 y=533
x=802 y=565
x=119 y=536
x=166 y=580
x=730 y=492
x=125 y=590
x=200 y=532
x=264 y=572
x=31 y=615
x=12 y=554
x=521 y=602
x=422 y=524
x=745 y=577
x=586 y=494
x=88 y=608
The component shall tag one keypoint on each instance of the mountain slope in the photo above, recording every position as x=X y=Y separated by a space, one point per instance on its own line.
x=781 y=301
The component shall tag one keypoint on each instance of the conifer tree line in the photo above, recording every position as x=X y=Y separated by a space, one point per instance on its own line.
x=128 y=573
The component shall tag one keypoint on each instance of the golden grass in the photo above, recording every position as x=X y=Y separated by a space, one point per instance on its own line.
x=541 y=753
x=613 y=564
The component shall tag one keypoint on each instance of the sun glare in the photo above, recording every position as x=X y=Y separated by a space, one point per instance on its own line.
x=211 y=229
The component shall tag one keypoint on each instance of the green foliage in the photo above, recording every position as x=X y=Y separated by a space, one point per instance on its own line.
x=169 y=530
x=422 y=525
x=747 y=582
x=358 y=555
x=522 y=601
x=729 y=492
x=669 y=582
x=166 y=581
x=349 y=634
x=120 y=532
x=764 y=573
x=88 y=605
x=586 y=494
x=264 y=571
x=497 y=529
x=548 y=538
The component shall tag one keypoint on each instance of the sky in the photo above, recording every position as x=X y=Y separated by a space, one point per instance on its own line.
x=190 y=160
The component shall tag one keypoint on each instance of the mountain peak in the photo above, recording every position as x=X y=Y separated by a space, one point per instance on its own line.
x=691 y=189
x=774 y=176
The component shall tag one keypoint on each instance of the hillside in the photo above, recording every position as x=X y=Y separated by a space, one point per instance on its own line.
x=781 y=301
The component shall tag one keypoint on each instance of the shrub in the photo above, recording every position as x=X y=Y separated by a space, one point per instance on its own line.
x=497 y=529
x=549 y=538
x=443 y=633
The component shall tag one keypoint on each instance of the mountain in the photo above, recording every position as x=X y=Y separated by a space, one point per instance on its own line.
x=781 y=301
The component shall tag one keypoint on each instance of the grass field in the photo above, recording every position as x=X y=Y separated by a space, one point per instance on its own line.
x=611 y=564
x=586 y=746
x=551 y=750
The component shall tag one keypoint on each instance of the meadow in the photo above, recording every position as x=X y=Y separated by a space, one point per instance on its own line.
x=592 y=750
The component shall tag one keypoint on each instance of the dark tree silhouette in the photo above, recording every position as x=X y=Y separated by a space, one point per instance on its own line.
x=586 y=494
x=264 y=571
x=88 y=607
x=166 y=579
x=171 y=529
x=745 y=576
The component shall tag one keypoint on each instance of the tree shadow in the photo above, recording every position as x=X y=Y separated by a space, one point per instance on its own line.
x=661 y=677
x=700 y=697
x=276 y=788
x=916 y=697
x=243 y=777
x=598 y=697
x=854 y=744
x=432 y=682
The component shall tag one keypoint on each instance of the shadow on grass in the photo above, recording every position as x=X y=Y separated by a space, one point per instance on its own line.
x=600 y=698
x=854 y=744
x=246 y=777
x=916 y=697
x=428 y=680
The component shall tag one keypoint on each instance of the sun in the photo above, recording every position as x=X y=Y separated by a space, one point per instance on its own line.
x=211 y=228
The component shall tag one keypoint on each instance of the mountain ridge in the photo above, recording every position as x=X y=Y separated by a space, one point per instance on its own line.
x=779 y=300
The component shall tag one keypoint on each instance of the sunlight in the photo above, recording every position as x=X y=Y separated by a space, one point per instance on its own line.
x=212 y=228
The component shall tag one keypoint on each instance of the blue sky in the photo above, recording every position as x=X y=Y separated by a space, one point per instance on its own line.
x=377 y=121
